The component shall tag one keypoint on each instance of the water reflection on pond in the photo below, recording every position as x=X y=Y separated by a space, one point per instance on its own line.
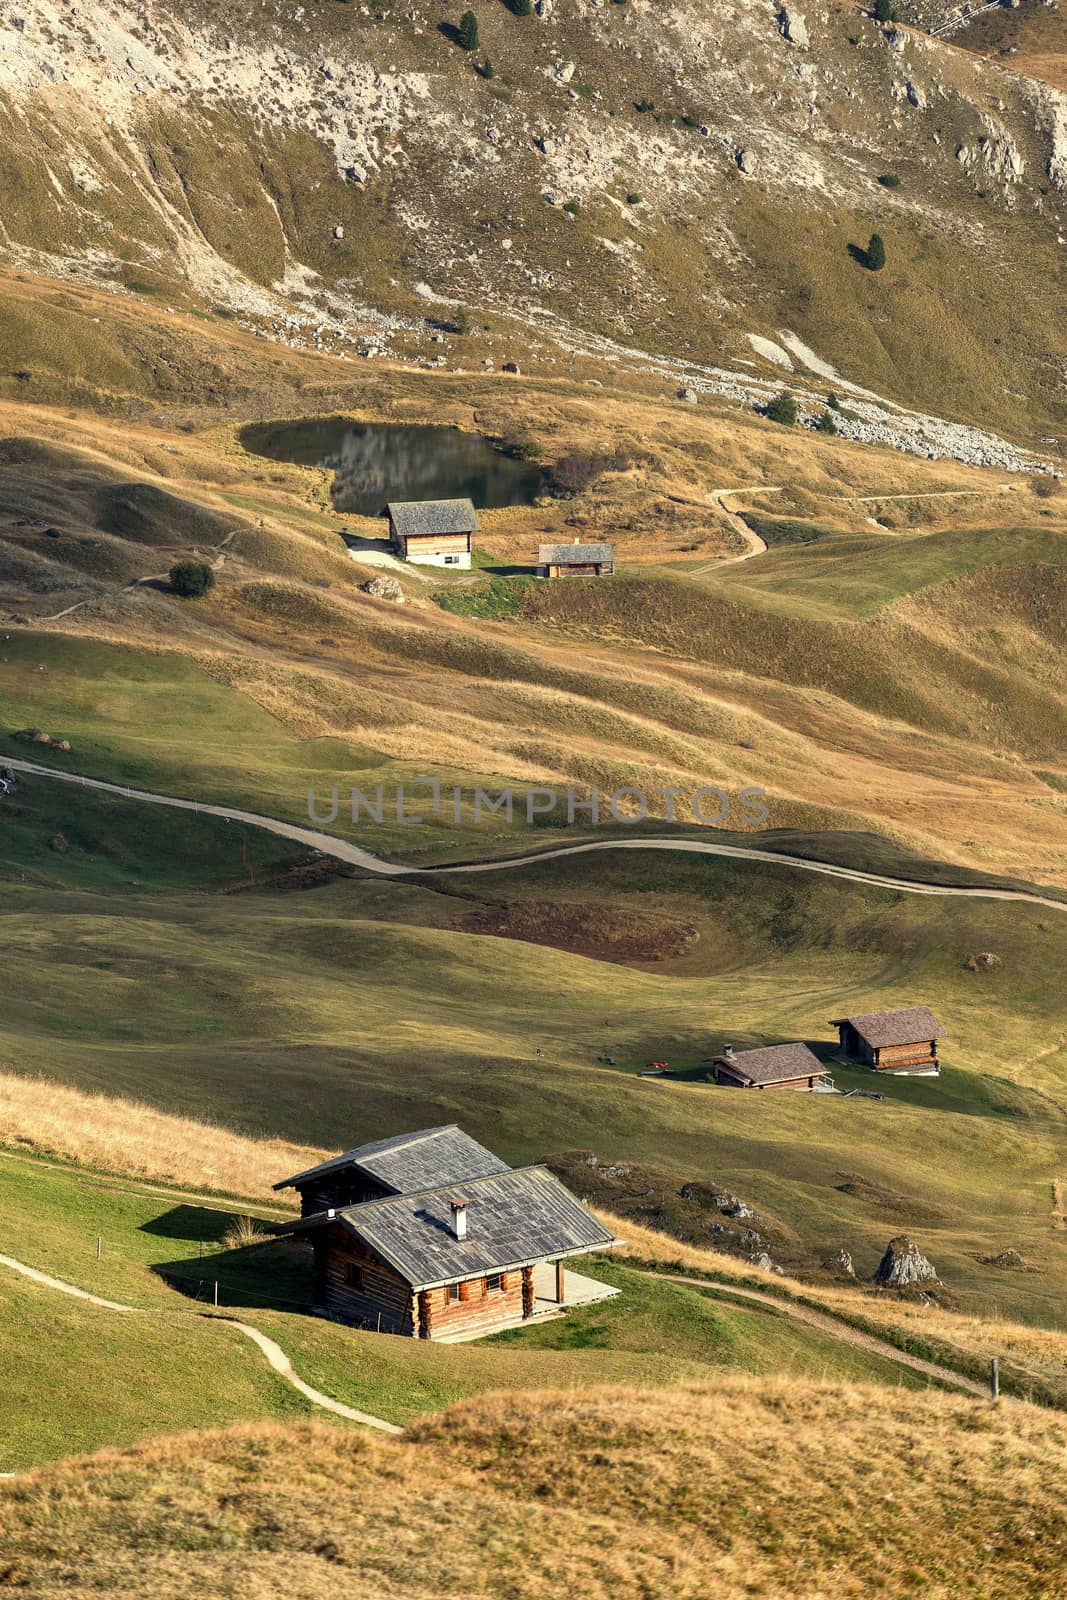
x=375 y=462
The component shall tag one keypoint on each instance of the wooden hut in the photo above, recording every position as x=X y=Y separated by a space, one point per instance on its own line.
x=433 y=533
x=777 y=1066
x=575 y=560
x=893 y=1041
x=452 y=1260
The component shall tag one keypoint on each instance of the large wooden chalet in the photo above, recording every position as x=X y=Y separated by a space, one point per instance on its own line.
x=433 y=533
x=777 y=1066
x=431 y=1235
x=893 y=1041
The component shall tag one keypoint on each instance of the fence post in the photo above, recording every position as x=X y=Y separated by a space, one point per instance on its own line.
x=994 y=1379
x=99 y=1246
x=216 y=1291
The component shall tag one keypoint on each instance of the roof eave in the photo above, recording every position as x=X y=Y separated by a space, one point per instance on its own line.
x=515 y=1266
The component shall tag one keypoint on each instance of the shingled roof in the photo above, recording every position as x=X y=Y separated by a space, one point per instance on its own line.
x=514 y=1218
x=774 y=1063
x=910 y=1026
x=413 y=1161
x=553 y=555
x=413 y=517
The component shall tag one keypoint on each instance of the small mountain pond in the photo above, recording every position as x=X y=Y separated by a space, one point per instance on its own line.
x=375 y=462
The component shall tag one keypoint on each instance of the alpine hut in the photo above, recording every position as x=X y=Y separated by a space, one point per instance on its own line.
x=575 y=560
x=893 y=1041
x=431 y=1235
x=776 y=1066
x=433 y=533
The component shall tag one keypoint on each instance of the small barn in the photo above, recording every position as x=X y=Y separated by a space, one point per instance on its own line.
x=433 y=533
x=777 y=1066
x=893 y=1041
x=447 y=1260
x=575 y=560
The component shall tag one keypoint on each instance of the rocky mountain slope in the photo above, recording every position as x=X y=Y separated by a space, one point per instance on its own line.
x=681 y=189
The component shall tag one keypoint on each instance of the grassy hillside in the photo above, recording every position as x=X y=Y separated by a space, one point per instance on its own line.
x=170 y=1364
x=604 y=1494
x=280 y=1012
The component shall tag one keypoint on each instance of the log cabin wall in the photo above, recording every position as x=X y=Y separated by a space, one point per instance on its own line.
x=426 y=543
x=896 y=1057
x=478 y=1309
x=356 y=1287
x=854 y=1046
x=343 y=1188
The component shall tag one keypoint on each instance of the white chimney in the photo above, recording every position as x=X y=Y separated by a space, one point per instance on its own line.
x=459 y=1217
x=729 y=1052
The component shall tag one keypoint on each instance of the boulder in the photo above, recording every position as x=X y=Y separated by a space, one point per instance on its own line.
x=32 y=736
x=690 y=396
x=904 y=1266
x=747 y=162
x=984 y=961
x=384 y=589
x=763 y=1261
x=793 y=27
x=916 y=97
x=511 y=366
x=841 y=1261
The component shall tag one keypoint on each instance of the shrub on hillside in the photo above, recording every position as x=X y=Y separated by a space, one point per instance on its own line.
x=521 y=8
x=1046 y=486
x=521 y=446
x=884 y=11
x=875 y=253
x=826 y=423
x=889 y=180
x=468 y=31
x=783 y=409
x=191 y=579
x=574 y=474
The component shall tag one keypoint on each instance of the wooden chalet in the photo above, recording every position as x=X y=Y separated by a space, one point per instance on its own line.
x=432 y=1236
x=777 y=1066
x=433 y=533
x=893 y=1041
x=575 y=560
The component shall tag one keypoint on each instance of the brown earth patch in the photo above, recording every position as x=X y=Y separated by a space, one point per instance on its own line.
x=629 y=938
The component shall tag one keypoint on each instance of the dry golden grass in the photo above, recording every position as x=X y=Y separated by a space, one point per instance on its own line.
x=135 y=1140
x=769 y=1488
x=1037 y=1352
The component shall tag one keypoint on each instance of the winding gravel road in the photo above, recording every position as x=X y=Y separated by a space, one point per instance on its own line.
x=354 y=855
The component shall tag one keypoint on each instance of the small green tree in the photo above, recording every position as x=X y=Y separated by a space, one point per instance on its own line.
x=487 y=69
x=521 y=8
x=883 y=11
x=783 y=409
x=191 y=579
x=875 y=253
x=461 y=323
x=468 y=31
x=833 y=402
x=826 y=423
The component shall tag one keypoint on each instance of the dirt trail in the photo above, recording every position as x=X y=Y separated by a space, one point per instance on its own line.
x=273 y=1351
x=755 y=546
x=826 y=1323
x=355 y=855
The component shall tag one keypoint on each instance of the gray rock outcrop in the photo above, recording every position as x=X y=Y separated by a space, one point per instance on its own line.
x=904 y=1266
x=793 y=27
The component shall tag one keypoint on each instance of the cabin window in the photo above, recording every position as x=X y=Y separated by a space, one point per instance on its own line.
x=453 y=1293
x=354 y=1275
x=495 y=1282
x=450 y=561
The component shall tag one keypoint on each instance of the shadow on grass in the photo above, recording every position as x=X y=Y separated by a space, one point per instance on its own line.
x=275 y=1273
